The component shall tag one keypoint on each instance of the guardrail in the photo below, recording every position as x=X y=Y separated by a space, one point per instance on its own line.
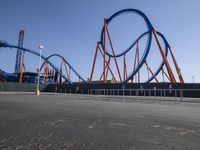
x=177 y=95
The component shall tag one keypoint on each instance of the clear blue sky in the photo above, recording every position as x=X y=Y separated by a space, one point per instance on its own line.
x=72 y=28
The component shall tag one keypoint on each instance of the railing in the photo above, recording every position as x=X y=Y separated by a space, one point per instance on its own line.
x=152 y=94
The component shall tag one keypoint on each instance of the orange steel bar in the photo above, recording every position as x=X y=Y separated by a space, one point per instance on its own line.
x=107 y=68
x=113 y=53
x=152 y=72
x=101 y=51
x=176 y=66
x=113 y=76
x=101 y=76
x=94 y=62
x=22 y=68
x=20 y=79
x=169 y=70
x=126 y=72
x=134 y=64
x=125 y=66
x=104 y=50
x=166 y=75
x=138 y=59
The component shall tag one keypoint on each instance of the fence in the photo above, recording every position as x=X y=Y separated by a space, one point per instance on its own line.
x=19 y=87
x=139 y=94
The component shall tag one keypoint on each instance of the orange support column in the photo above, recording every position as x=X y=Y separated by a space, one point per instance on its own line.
x=176 y=66
x=166 y=75
x=94 y=62
x=169 y=70
x=151 y=72
x=138 y=60
x=134 y=63
x=124 y=69
x=104 y=51
x=113 y=53
x=22 y=67
x=106 y=66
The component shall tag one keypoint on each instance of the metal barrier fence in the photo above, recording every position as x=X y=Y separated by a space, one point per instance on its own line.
x=151 y=94
x=19 y=87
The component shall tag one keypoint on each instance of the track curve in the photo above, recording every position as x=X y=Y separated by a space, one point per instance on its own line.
x=124 y=11
x=47 y=59
x=3 y=44
x=148 y=44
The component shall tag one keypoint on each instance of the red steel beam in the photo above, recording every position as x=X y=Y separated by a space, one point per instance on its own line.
x=176 y=66
x=126 y=73
x=113 y=51
x=94 y=62
x=166 y=75
x=134 y=64
x=23 y=68
x=152 y=72
x=107 y=68
x=169 y=70
x=101 y=51
x=138 y=59
x=104 y=50
x=124 y=69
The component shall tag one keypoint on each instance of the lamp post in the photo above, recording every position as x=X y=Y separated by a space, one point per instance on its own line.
x=193 y=79
x=38 y=81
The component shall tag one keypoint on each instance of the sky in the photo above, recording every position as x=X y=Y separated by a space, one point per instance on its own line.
x=73 y=27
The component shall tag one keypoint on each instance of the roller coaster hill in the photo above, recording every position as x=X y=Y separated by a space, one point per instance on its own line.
x=132 y=68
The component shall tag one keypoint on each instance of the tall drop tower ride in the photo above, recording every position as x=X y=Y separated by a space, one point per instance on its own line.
x=19 y=52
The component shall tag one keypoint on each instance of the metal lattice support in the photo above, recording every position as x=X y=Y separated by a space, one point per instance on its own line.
x=19 y=52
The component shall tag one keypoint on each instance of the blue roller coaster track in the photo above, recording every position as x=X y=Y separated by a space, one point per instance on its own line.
x=5 y=44
x=150 y=28
x=143 y=59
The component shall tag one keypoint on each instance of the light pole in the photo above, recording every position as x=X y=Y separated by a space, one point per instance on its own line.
x=38 y=81
x=193 y=79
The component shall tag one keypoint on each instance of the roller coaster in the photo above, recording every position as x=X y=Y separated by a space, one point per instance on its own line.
x=51 y=71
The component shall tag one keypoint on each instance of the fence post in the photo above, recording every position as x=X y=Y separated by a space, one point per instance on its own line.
x=181 y=95
x=175 y=95
x=154 y=88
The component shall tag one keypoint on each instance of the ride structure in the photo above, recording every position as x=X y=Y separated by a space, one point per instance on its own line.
x=112 y=71
x=107 y=57
x=19 y=54
x=46 y=59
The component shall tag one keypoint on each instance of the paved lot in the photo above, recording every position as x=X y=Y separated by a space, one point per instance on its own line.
x=75 y=122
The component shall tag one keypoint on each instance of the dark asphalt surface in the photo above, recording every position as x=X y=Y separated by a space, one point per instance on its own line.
x=75 y=122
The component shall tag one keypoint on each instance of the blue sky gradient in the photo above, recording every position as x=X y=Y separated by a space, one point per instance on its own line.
x=72 y=28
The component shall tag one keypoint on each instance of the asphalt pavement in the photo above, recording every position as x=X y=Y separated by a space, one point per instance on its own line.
x=79 y=122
